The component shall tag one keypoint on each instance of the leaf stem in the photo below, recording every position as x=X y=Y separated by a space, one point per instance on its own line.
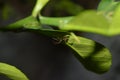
x=38 y=7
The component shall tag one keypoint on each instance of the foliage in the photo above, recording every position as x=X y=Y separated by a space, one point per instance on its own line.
x=94 y=56
x=11 y=72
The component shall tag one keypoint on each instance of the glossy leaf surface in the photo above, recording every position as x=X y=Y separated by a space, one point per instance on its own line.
x=91 y=21
x=12 y=72
x=88 y=21
x=94 y=56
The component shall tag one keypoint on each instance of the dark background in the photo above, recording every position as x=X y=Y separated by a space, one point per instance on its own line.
x=37 y=56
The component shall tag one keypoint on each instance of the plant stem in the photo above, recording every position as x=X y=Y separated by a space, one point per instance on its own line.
x=38 y=7
x=54 y=21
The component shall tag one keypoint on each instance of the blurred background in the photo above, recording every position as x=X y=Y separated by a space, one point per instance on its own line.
x=37 y=56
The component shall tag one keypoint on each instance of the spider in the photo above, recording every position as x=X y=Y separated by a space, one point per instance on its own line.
x=59 y=40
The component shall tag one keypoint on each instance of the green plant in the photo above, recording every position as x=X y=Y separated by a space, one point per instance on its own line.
x=94 y=56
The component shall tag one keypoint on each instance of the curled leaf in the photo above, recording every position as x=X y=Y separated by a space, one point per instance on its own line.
x=94 y=56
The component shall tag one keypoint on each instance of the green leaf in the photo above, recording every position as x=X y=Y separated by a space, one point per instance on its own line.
x=115 y=22
x=31 y=24
x=12 y=72
x=91 y=21
x=88 y=21
x=107 y=6
x=94 y=56
x=28 y=23
x=104 y=5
